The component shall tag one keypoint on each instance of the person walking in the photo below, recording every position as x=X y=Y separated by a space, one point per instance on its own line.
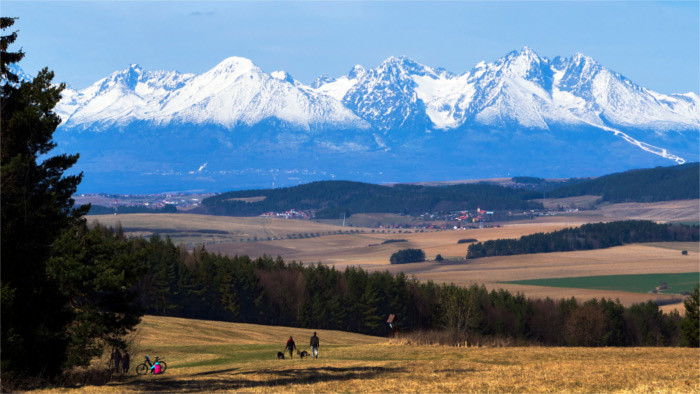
x=291 y=346
x=314 y=346
x=125 y=361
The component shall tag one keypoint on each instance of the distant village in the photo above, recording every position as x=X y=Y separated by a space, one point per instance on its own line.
x=182 y=201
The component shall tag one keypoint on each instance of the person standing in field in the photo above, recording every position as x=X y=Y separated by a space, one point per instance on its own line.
x=115 y=360
x=125 y=361
x=291 y=346
x=314 y=346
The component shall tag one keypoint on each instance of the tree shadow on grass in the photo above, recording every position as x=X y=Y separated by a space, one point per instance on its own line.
x=275 y=378
x=218 y=371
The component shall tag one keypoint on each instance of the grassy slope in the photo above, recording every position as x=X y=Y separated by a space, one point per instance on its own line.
x=213 y=356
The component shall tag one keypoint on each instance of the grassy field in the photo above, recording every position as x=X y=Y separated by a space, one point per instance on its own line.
x=492 y=271
x=677 y=283
x=681 y=210
x=193 y=230
x=212 y=356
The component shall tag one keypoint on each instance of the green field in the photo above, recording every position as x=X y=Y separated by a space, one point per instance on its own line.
x=642 y=283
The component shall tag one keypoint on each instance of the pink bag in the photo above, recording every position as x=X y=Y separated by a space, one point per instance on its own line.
x=156 y=369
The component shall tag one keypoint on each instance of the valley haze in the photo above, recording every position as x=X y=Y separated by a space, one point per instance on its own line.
x=237 y=126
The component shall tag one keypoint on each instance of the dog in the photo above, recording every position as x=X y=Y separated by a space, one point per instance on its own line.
x=280 y=356
x=303 y=353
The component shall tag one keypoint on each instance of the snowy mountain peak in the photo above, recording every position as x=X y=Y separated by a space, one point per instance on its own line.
x=356 y=72
x=402 y=65
x=235 y=63
x=322 y=80
x=283 y=76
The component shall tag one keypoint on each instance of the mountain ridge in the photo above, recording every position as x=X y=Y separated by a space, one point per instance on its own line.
x=400 y=121
x=522 y=86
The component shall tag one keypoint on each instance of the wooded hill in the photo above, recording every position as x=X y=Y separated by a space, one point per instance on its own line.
x=586 y=237
x=680 y=182
x=332 y=199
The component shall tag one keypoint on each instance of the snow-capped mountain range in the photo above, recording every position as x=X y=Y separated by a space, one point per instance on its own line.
x=397 y=107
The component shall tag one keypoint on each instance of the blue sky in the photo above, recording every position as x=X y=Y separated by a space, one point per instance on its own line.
x=656 y=44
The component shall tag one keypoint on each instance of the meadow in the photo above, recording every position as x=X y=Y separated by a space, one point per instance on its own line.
x=645 y=283
x=216 y=356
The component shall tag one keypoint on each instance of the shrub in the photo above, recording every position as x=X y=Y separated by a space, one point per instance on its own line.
x=467 y=240
x=391 y=241
x=404 y=256
x=439 y=258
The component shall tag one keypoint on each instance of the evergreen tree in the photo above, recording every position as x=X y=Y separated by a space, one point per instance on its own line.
x=98 y=270
x=371 y=318
x=36 y=207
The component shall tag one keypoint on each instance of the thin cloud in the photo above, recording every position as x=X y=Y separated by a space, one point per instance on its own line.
x=202 y=13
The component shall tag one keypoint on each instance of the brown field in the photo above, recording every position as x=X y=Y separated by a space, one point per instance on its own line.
x=354 y=249
x=212 y=356
x=580 y=202
x=683 y=210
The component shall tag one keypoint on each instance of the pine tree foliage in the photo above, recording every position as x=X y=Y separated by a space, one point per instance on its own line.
x=690 y=326
x=36 y=208
x=99 y=272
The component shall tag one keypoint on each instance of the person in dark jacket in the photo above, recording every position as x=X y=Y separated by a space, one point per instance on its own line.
x=125 y=361
x=115 y=359
x=291 y=346
x=314 y=346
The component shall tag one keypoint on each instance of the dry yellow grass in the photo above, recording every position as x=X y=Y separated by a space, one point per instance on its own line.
x=353 y=249
x=242 y=358
x=200 y=332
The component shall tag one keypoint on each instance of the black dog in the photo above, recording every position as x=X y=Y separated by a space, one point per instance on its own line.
x=303 y=353
x=280 y=356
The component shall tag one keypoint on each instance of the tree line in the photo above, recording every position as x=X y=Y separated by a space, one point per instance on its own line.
x=124 y=209
x=588 y=236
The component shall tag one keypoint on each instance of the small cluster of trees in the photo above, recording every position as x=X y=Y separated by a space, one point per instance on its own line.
x=405 y=256
x=588 y=236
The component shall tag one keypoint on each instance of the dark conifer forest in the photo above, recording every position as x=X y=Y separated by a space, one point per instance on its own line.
x=588 y=236
x=679 y=182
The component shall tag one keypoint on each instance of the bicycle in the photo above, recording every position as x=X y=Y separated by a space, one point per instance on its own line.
x=146 y=366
